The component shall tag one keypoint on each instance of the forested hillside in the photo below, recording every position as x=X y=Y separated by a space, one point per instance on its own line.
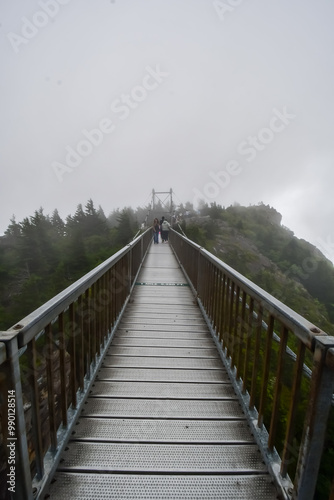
x=43 y=254
x=253 y=241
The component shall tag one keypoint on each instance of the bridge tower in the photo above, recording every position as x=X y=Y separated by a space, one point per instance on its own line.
x=166 y=201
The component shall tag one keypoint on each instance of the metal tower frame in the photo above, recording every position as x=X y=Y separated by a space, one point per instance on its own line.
x=163 y=202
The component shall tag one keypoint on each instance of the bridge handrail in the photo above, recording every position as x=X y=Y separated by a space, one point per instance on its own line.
x=82 y=318
x=234 y=308
x=305 y=330
x=30 y=326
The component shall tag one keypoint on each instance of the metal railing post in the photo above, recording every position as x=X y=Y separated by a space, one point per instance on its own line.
x=322 y=386
x=198 y=283
x=130 y=265
x=141 y=249
x=14 y=430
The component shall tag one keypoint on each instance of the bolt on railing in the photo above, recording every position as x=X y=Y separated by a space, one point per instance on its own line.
x=290 y=409
x=47 y=363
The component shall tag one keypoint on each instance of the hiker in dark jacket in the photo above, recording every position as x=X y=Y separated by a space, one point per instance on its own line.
x=156 y=230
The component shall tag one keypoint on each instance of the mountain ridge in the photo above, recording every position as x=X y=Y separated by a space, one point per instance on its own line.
x=253 y=241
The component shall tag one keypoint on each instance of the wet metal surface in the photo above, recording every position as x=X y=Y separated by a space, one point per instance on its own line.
x=162 y=420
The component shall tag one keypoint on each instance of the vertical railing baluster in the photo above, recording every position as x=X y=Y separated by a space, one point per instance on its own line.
x=62 y=367
x=104 y=301
x=256 y=358
x=226 y=310
x=215 y=298
x=107 y=305
x=206 y=285
x=203 y=283
x=235 y=334
x=87 y=335
x=197 y=284
x=99 y=336
x=80 y=348
x=241 y=336
x=93 y=321
x=118 y=285
x=249 y=332
x=50 y=385
x=278 y=388
x=35 y=408
x=222 y=307
x=207 y=290
x=131 y=268
x=71 y=329
x=295 y=397
x=211 y=285
x=101 y=311
x=219 y=303
x=266 y=371
x=113 y=296
x=230 y=321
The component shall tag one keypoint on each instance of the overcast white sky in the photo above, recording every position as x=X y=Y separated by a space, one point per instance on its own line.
x=229 y=101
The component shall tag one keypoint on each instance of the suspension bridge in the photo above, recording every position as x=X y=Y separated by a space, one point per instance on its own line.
x=158 y=366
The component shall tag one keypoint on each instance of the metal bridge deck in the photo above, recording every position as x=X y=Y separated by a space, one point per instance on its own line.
x=162 y=420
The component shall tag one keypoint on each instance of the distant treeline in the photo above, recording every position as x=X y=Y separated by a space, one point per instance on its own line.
x=42 y=255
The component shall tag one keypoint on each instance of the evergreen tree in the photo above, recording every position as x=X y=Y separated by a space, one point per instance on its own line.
x=94 y=223
x=126 y=227
x=57 y=223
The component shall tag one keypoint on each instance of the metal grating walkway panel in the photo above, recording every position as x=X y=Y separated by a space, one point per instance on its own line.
x=134 y=457
x=148 y=487
x=160 y=408
x=162 y=390
x=159 y=342
x=145 y=362
x=161 y=375
x=165 y=352
x=158 y=430
x=162 y=420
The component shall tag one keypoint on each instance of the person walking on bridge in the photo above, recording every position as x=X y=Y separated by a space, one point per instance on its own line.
x=156 y=229
x=164 y=230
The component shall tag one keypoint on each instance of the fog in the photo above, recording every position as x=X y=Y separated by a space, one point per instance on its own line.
x=222 y=101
